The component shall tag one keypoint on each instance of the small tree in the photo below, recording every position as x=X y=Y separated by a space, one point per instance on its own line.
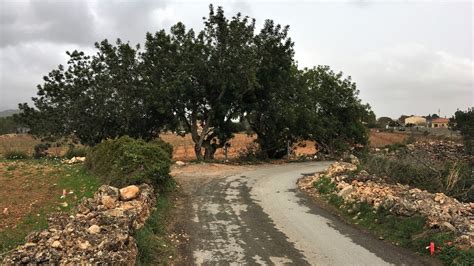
x=464 y=122
x=383 y=121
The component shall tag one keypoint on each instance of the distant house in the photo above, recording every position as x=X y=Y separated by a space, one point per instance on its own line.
x=439 y=123
x=415 y=121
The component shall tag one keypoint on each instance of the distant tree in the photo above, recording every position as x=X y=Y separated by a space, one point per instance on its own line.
x=433 y=116
x=394 y=124
x=402 y=118
x=8 y=125
x=464 y=122
x=383 y=121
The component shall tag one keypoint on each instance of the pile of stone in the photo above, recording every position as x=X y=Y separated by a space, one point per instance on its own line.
x=440 y=150
x=75 y=160
x=433 y=150
x=100 y=231
x=440 y=210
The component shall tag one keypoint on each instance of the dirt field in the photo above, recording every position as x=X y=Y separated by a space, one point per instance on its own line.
x=25 y=143
x=32 y=188
x=184 y=151
x=25 y=186
x=183 y=146
x=380 y=139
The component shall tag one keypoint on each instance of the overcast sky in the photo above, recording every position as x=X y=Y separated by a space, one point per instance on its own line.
x=410 y=57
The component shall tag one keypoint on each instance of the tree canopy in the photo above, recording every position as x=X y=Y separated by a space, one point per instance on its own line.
x=201 y=83
x=383 y=121
x=463 y=121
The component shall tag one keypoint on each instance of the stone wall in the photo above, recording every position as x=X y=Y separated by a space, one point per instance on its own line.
x=101 y=230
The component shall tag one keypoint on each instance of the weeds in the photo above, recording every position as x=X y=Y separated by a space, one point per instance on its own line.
x=16 y=155
x=73 y=151
x=324 y=185
x=154 y=247
x=11 y=167
x=250 y=153
x=408 y=232
x=72 y=178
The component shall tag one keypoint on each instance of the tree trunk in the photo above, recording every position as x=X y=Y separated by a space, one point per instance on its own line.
x=209 y=151
x=197 y=151
x=268 y=151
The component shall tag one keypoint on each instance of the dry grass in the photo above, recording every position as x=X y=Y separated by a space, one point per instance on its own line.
x=17 y=142
x=31 y=189
x=25 y=143
x=184 y=147
x=25 y=187
x=380 y=139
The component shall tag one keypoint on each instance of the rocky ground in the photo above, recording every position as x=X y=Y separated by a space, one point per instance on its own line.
x=434 y=151
x=440 y=210
x=99 y=232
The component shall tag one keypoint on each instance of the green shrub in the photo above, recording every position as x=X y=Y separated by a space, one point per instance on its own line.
x=324 y=185
x=445 y=250
x=335 y=200
x=125 y=161
x=73 y=151
x=14 y=155
x=40 y=150
x=164 y=145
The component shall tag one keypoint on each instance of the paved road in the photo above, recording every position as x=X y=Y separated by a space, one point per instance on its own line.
x=259 y=217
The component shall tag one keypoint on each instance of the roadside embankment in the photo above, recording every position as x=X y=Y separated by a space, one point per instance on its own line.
x=368 y=200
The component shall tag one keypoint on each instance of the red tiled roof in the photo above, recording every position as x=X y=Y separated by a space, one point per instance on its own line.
x=440 y=120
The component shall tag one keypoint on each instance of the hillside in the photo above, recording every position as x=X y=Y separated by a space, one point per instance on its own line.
x=9 y=112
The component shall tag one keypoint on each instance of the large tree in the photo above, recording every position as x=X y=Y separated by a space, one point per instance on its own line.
x=335 y=115
x=95 y=97
x=209 y=76
x=201 y=83
x=270 y=108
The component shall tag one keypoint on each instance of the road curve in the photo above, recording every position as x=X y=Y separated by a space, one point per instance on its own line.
x=260 y=217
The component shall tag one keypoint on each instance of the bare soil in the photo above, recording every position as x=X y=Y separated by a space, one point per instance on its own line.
x=26 y=187
x=380 y=139
x=183 y=147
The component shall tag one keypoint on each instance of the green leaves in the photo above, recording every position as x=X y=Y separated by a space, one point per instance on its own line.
x=337 y=115
x=464 y=122
x=200 y=83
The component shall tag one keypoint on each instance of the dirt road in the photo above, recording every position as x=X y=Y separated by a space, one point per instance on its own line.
x=256 y=215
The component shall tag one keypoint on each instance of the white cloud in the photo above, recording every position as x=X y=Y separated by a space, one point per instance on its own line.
x=430 y=68
x=413 y=79
x=23 y=66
